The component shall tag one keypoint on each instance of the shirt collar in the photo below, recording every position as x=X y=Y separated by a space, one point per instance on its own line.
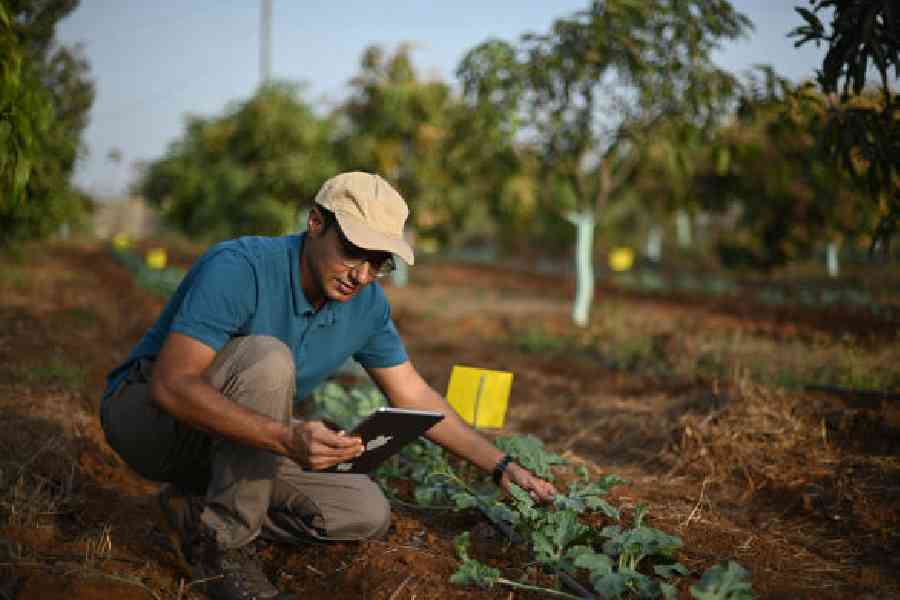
x=301 y=304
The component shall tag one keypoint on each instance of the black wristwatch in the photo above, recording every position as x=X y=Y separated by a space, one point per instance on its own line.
x=500 y=468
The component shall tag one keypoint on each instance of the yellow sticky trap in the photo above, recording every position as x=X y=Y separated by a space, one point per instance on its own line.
x=621 y=259
x=156 y=258
x=121 y=241
x=480 y=396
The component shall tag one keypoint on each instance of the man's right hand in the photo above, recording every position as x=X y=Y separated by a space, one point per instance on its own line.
x=313 y=445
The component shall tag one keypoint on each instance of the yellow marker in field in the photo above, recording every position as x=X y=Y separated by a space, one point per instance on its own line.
x=621 y=259
x=480 y=396
x=121 y=241
x=156 y=258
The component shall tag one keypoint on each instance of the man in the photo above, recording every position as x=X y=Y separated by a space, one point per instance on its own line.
x=204 y=401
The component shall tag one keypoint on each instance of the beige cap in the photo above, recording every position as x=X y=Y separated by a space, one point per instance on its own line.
x=370 y=212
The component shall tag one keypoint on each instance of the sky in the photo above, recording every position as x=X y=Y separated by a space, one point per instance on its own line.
x=155 y=62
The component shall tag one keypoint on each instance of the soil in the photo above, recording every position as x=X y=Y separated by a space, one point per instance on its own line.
x=799 y=488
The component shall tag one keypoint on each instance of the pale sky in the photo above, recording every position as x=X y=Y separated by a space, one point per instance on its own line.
x=154 y=62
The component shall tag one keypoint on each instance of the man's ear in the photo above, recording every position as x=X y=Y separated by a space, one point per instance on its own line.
x=315 y=222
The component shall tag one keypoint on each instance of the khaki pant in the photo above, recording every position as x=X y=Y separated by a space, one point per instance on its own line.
x=248 y=492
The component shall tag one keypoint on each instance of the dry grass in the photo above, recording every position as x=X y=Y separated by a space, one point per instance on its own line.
x=37 y=482
x=687 y=343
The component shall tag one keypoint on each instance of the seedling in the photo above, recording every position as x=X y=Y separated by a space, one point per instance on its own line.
x=727 y=581
x=473 y=572
x=620 y=562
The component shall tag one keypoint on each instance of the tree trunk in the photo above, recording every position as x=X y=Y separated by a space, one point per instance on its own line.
x=831 y=259
x=584 y=264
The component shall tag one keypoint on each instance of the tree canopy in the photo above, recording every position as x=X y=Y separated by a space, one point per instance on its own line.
x=616 y=112
x=45 y=97
x=248 y=171
x=602 y=77
x=862 y=136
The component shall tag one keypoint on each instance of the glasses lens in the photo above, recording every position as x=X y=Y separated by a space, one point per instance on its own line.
x=386 y=267
x=380 y=263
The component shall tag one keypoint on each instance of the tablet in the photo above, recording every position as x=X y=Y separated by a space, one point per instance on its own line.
x=384 y=433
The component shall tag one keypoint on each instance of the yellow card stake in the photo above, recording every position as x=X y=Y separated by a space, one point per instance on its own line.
x=121 y=241
x=480 y=396
x=621 y=259
x=156 y=258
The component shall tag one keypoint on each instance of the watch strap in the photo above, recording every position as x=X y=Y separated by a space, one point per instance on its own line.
x=500 y=468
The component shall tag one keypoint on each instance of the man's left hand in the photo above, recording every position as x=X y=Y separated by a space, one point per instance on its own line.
x=539 y=490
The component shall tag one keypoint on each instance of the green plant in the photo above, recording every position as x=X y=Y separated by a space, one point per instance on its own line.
x=474 y=572
x=635 y=561
x=727 y=581
x=346 y=407
x=538 y=341
x=529 y=452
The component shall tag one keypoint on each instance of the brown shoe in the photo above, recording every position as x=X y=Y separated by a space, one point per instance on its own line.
x=178 y=514
x=230 y=574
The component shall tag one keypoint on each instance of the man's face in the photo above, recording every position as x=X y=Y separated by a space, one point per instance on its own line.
x=339 y=268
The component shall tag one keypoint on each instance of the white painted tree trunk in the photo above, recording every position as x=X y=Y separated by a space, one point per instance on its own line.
x=832 y=259
x=400 y=276
x=654 y=243
x=584 y=246
x=683 y=226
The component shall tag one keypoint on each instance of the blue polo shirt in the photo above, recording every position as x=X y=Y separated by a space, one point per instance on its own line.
x=251 y=286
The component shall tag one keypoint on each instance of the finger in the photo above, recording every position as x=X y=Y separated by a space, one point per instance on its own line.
x=335 y=440
x=326 y=429
x=325 y=451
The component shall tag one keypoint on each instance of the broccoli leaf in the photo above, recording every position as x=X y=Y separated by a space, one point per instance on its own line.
x=529 y=452
x=724 y=582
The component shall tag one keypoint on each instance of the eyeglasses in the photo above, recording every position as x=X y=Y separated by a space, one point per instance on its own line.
x=352 y=257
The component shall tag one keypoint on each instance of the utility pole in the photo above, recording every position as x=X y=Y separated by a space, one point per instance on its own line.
x=265 y=42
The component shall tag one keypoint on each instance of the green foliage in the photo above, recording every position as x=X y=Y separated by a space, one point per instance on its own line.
x=781 y=192
x=472 y=572
x=599 y=76
x=45 y=97
x=453 y=161
x=863 y=137
x=529 y=452
x=621 y=561
x=724 y=582
x=25 y=113
x=538 y=341
x=162 y=282
x=248 y=171
x=346 y=407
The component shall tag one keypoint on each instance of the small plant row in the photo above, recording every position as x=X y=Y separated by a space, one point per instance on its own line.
x=581 y=536
x=162 y=282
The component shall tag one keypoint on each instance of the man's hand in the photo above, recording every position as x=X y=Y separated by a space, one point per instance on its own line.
x=539 y=490
x=313 y=445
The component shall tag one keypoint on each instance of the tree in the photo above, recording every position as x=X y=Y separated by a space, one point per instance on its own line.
x=408 y=129
x=783 y=192
x=248 y=171
x=45 y=97
x=592 y=88
x=864 y=137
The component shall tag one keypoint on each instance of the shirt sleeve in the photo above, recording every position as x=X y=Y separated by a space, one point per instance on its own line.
x=384 y=348
x=220 y=301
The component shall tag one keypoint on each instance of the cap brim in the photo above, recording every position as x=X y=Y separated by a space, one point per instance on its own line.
x=365 y=237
